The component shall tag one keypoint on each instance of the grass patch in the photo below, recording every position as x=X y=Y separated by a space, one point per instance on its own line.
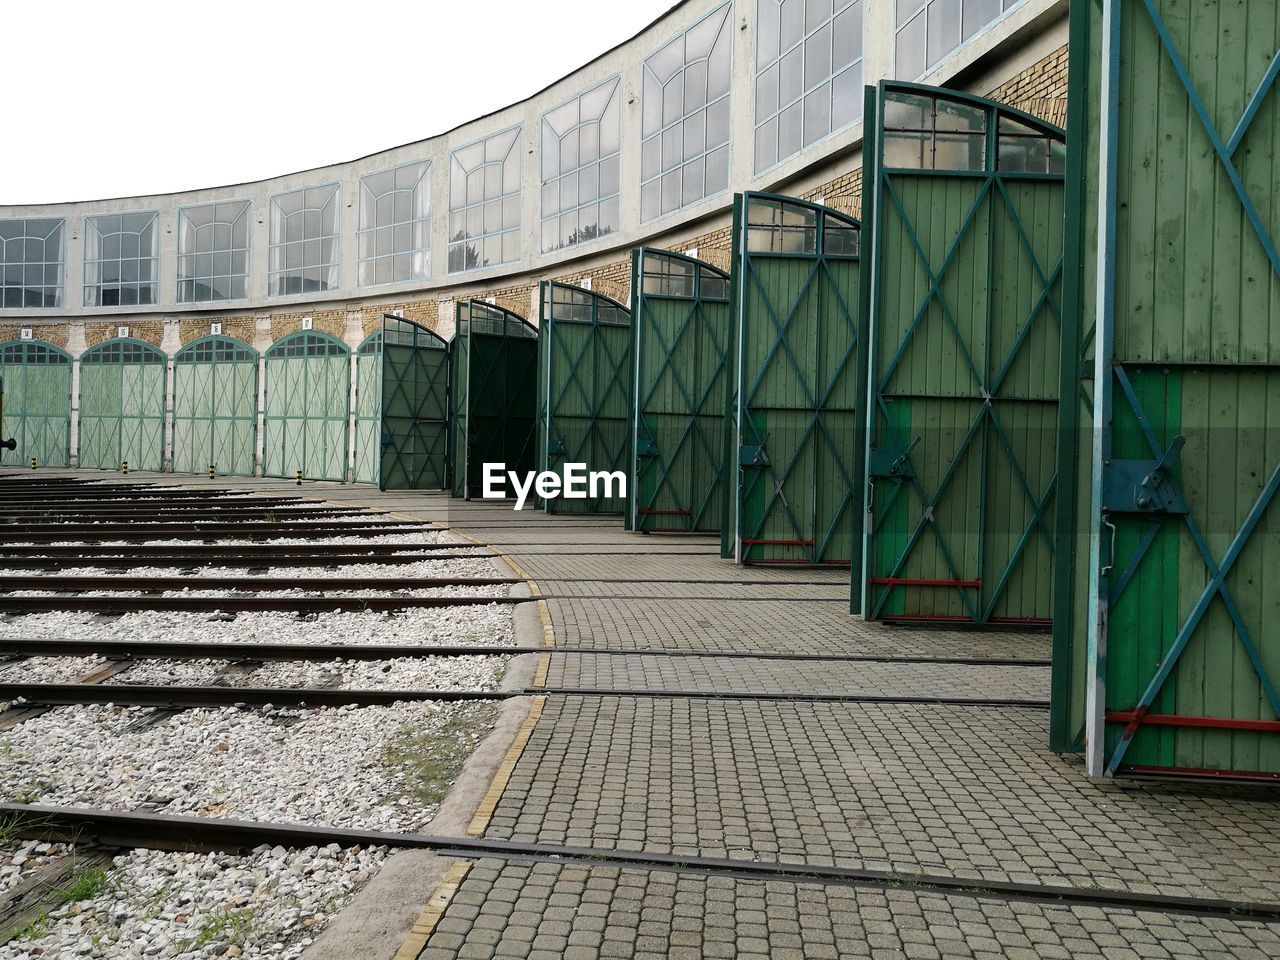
x=85 y=884
x=429 y=760
x=37 y=928
x=225 y=926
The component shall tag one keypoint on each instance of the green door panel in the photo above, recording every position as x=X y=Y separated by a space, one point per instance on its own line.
x=964 y=332
x=795 y=437
x=122 y=395
x=215 y=407
x=1169 y=654
x=414 y=441
x=681 y=340
x=307 y=401
x=584 y=390
x=36 y=380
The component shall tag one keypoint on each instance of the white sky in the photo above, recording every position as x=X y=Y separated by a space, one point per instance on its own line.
x=110 y=98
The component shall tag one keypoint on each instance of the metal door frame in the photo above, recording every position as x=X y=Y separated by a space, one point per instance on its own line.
x=692 y=506
x=1166 y=505
x=276 y=349
x=69 y=362
x=252 y=417
x=746 y=450
x=548 y=406
x=890 y=460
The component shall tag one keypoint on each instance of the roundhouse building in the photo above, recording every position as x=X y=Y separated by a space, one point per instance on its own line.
x=224 y=326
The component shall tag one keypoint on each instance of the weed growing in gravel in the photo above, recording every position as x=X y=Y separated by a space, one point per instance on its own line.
x=37 y=928
x=429 y=760
x=225 y=926
x=83 y=885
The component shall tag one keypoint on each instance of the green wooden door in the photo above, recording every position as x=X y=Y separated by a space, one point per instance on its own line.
x=681 y=335
x=122 y=394
x=495 y=359
x=1177 y=259
x=307 y=405
x=965 y=322
x=37 y=403
x=584 y=389
x=415 y=407
x=215 y=407
x=368 y=419
x=796 y=433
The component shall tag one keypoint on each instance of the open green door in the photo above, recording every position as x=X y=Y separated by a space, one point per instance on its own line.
x=584 y=391
x=215 y=407
x=1177 y=179
x=402 y=407
x=795 y=426
x=308 y=383
x=122 y=391
x=37 y=403
x=965 y=324
x=681 y=335
x=494 y=369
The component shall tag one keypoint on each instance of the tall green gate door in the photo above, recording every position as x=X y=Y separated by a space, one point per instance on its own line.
x=965 y=322
x=494 y=370
x=402 y=407
x=1183 y=165
x=308 y=384
x=215 y=407
x=795 y=435
x=584 y=390
x=37 y=403
x=681 y=333
x=122 y=392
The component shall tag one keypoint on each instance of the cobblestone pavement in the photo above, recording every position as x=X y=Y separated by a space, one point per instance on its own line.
x=743 y=675
x=548 y=911
x=969 y=792
x=767 y=626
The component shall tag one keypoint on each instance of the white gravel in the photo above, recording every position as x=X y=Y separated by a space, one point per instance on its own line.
x=393 y=539
x=436 y=673
x=486 y=624
x=323 y=767
x=477 y=566
x=49 y=669
x=269 y=905
x=19 y=859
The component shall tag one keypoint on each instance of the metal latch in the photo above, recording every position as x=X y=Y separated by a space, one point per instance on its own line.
x=891 y=462
x=555 y=448
x=646 y=447
x=1143 y=486
x=753 y=455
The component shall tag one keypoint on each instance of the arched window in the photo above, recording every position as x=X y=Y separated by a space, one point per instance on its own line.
x=31 y=259
x=484 y=202
x=213 y=252
x=580 y=168
x=121 y=259
x=395 y=224
x=304 y=241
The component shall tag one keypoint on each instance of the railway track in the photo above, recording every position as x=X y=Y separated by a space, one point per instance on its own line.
x=129 y=829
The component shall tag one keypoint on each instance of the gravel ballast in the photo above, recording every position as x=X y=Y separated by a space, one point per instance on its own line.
x=269 y=905
x=358 y=768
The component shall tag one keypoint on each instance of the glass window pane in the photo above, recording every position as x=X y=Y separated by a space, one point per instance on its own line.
x=485 y=197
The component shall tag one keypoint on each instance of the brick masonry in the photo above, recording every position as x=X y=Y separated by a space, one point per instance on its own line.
x=149 y=331
x=1040 y=90
x=58 y=334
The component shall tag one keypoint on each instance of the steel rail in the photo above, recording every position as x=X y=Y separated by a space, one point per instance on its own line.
x=336 y=584
x=193 y=697
x=136 y=534
x=176 y=514
x=216 y=650
x=252 y=561
x=16 y=530
x=66 y=602
x=127 y=830
x=252 y=551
